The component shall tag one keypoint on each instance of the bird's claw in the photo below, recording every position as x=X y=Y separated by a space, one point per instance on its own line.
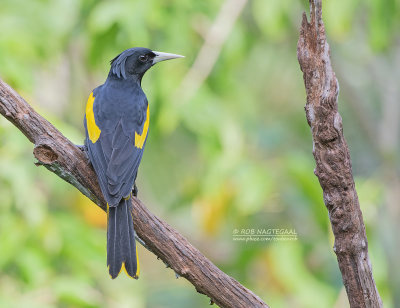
x=135 y=190
x=81 y=147
x=84 y=149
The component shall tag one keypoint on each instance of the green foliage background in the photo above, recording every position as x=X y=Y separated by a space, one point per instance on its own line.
x=236 y=155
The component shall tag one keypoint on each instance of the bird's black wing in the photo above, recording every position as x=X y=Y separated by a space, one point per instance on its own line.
x=116 y=148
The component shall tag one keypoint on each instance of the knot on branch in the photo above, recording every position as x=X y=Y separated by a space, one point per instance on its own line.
x=45 y=154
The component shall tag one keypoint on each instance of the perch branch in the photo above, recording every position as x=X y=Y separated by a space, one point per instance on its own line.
x=61 y=156
x=333 y=165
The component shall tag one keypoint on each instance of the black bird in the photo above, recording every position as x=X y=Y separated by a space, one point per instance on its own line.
x=116 y=123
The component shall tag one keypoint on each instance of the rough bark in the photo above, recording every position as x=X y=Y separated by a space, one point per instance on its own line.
x=333 y=164
x=61 y=156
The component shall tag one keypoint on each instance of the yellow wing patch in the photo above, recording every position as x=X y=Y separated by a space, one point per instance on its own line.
x=140 y=139
x=93 y=130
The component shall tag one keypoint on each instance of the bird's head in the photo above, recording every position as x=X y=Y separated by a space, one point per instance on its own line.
x=136 y=61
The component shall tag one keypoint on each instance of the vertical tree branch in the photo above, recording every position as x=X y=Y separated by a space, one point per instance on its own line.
x=333 y=164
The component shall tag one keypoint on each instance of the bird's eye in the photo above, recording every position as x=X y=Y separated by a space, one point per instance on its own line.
x=143 y=58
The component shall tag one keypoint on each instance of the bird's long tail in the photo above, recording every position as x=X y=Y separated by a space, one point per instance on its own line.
x=121 y=245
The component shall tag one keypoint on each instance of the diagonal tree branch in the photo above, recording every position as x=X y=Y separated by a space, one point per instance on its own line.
x=61 y=156
x=333 y=164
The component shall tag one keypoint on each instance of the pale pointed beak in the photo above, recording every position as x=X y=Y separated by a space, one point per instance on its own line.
x=162 y=56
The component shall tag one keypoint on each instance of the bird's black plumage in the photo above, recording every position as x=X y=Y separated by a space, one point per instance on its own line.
x=116 y=124
x=120 y=110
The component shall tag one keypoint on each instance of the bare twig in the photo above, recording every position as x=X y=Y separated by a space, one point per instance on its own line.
x=62 y=157
x=209 y=52
x=333 y=165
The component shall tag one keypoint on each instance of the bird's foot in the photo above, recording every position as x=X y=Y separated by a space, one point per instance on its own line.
x=81 y=147
x=135 y=190
x=84 y=149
